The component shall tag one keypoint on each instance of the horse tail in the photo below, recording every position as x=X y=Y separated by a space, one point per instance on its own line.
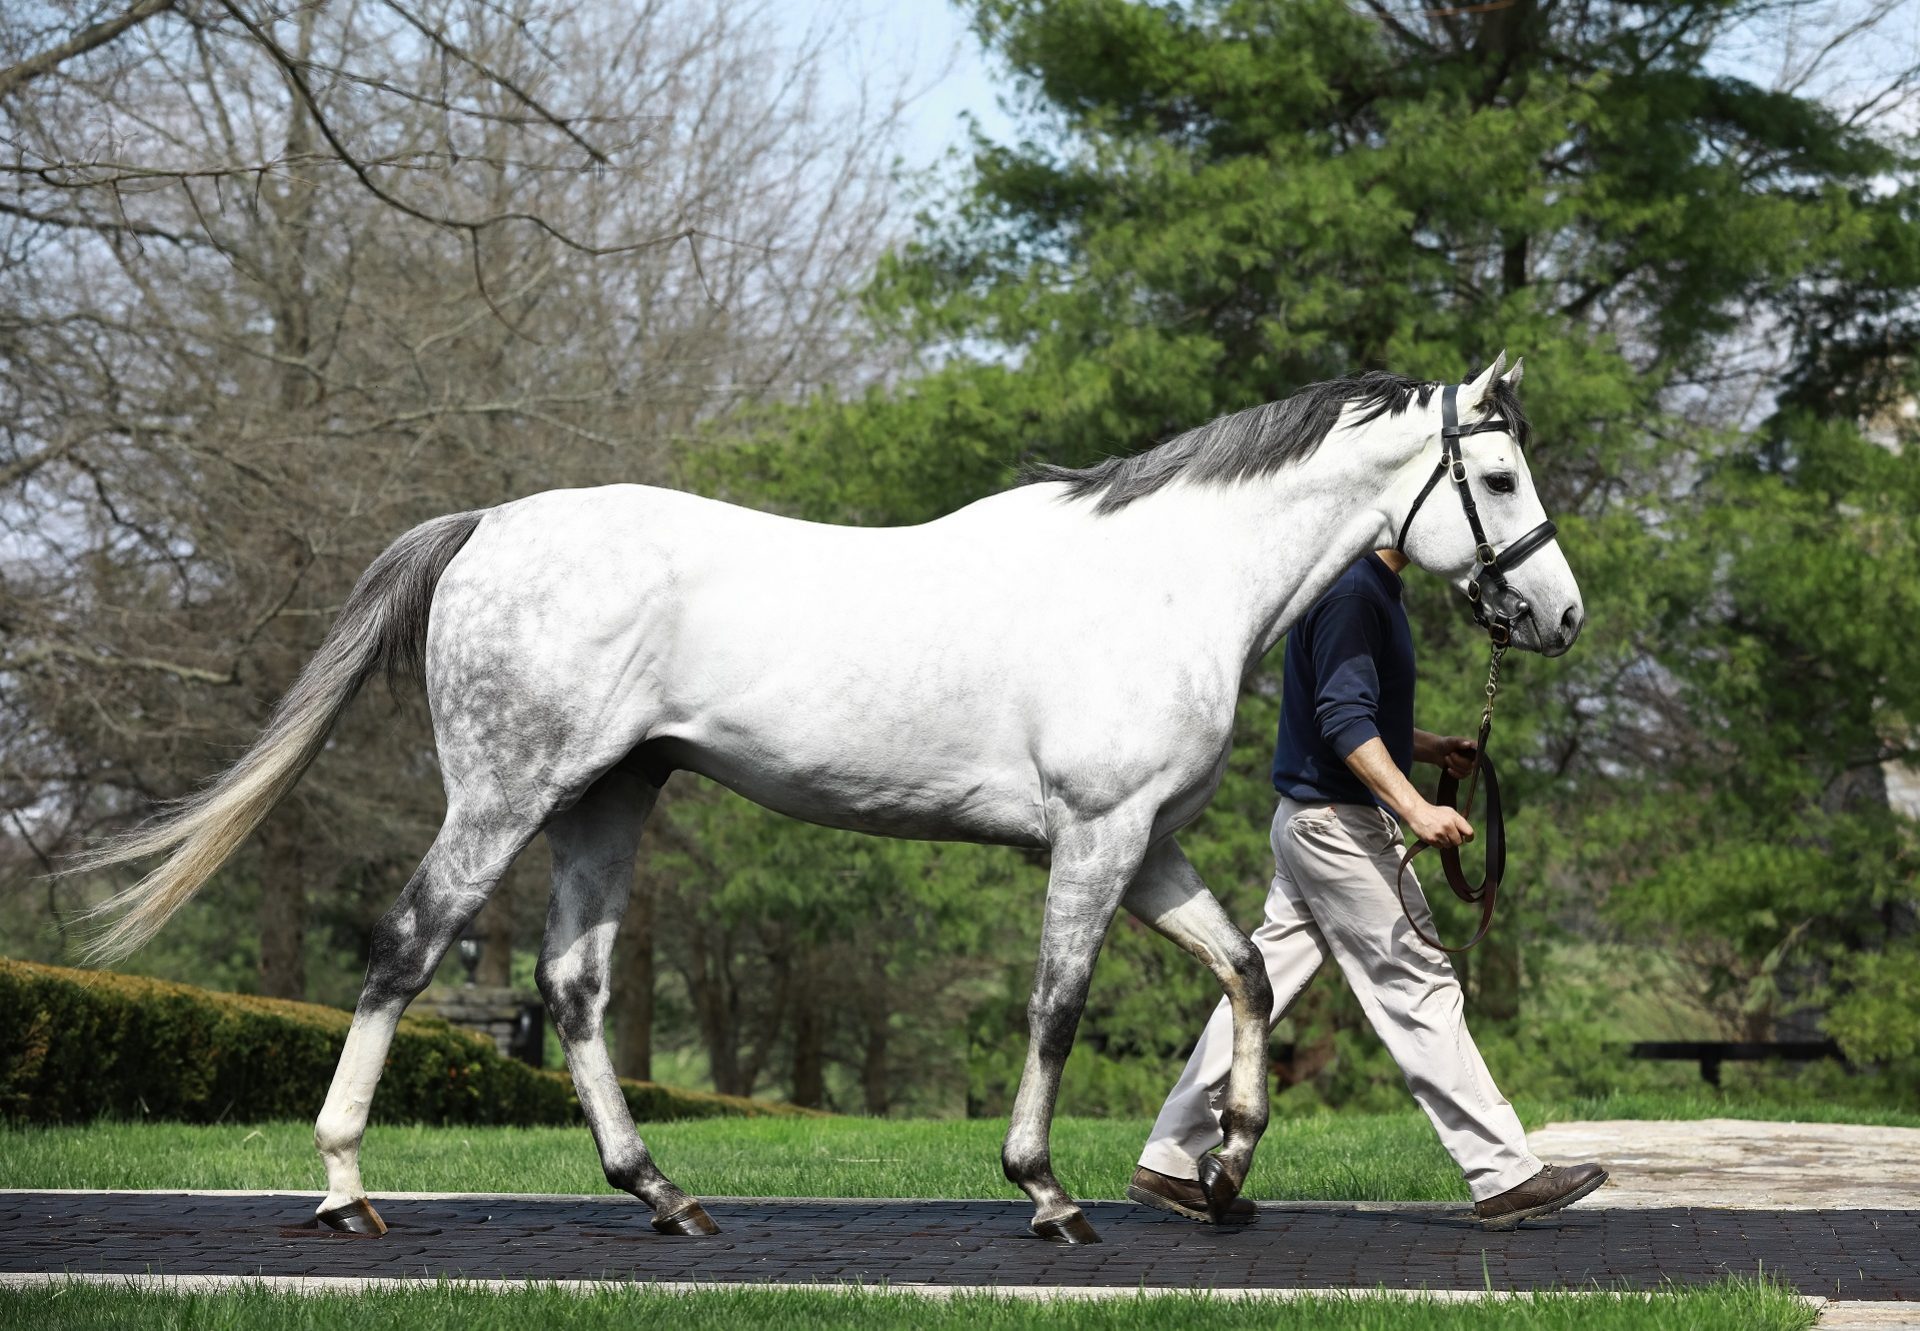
x=382 y=626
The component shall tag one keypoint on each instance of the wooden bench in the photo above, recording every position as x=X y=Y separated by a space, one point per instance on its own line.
x=1710 y=1054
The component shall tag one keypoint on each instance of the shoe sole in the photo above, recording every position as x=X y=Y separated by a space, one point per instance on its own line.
x=1163 y=1203
x=1160 y=1203
x=1511 y=1220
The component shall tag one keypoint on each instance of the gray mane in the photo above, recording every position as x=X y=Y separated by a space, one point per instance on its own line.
x=1252 y=443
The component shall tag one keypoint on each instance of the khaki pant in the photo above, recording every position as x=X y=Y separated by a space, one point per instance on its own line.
x=1333 y=895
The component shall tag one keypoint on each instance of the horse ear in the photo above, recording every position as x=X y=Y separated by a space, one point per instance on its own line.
x=1512 y=377
x=1477 y=394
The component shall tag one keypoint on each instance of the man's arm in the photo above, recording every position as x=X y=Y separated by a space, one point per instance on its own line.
x=1434 y=824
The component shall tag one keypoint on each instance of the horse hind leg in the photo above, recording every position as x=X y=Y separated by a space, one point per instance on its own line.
x=594 y=844
x=476 y=844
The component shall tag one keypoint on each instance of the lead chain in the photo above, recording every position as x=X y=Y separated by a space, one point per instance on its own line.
x=1493 y=687
x=1486 y=728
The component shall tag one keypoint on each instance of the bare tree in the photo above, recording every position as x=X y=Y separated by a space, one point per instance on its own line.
x=275 y=285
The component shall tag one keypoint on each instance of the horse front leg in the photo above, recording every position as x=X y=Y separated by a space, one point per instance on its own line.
x=1169 y=896
x=1090 y=874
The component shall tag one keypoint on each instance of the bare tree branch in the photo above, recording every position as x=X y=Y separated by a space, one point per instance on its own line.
x=296 y=75
x=62 y=651
x=87 y=39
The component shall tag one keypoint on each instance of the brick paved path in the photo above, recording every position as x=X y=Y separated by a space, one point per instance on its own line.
x=1839 y=1254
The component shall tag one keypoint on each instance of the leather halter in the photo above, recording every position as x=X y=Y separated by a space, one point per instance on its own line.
x=1490 y=567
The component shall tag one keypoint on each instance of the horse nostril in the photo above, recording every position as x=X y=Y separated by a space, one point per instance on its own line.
x=1572 y=620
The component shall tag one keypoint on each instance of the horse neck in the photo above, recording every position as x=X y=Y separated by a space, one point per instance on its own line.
x=1263 y=551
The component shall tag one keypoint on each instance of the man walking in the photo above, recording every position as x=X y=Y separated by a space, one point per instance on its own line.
x=1346 y=744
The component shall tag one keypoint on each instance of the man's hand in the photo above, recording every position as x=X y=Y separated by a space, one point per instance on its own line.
x=1438 y=825
x=1432 y=823
x=1456 y=754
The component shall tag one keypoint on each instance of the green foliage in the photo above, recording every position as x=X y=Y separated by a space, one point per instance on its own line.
x=81 y=1045
x=1874 y=1018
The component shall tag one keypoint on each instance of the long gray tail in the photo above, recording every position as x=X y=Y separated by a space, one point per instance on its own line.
x=383 y=626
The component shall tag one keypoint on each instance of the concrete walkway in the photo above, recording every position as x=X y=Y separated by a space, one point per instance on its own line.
x=1739 y=1163
x=1850 y=1316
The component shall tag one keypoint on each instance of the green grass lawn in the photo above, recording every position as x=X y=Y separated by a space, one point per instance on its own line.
x=1341 y=1157
x=1370 y=1157
x=1742 y=1304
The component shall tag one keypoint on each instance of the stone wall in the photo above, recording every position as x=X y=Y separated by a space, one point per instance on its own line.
x=511 y=1018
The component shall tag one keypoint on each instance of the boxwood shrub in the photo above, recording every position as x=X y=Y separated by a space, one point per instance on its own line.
x=77 y=1045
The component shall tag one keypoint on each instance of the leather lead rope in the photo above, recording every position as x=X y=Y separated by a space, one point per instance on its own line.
x=1493 y=829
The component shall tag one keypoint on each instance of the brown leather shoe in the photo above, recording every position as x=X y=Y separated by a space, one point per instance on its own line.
x=1181 y=1196
x=1552 y=1188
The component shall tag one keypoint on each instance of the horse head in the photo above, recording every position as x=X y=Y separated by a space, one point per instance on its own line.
x=1496 y=544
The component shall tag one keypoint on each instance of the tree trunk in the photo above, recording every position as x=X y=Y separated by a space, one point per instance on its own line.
x=283 y=889
x=1497 y=976
x=633 y=984
x=706 y=984
x=287 y=287
x=873 y=1067
x=494 y=929
x=283 y=905
x=809 y=1038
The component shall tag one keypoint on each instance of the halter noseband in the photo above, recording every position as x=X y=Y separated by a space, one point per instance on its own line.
x=1491 y=567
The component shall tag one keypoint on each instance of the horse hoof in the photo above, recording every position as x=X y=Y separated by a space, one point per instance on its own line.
x=1218 y=1188
x=356 y=1217
x=691 y=1221
x=1067 y=1229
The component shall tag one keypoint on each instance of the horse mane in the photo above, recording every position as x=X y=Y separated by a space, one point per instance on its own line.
x=1253 y=443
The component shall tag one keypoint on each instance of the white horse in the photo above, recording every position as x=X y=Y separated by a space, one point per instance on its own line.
x=1054 y=666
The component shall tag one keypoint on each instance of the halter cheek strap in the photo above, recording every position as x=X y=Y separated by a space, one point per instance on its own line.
x=1491 y=567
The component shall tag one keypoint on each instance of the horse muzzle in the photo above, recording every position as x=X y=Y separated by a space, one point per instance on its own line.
x=1510 y=620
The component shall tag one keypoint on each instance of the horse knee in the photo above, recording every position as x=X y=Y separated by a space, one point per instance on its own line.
x=1053 y=1015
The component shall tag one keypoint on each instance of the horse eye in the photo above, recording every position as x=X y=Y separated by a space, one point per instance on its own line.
x=1501 y=483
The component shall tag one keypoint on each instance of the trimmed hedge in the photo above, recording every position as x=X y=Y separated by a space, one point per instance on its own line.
x=77 y=1045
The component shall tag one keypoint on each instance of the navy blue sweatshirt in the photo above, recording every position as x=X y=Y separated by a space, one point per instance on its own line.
x=1347 y=678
